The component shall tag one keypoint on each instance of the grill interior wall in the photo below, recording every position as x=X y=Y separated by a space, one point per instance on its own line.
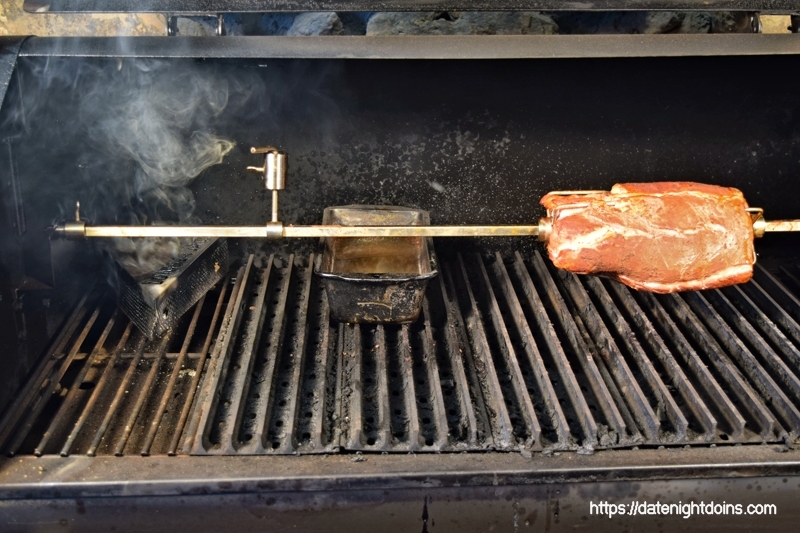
x=470 y=141
x=509 y=354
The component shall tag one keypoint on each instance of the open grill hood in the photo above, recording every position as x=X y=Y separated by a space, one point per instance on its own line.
x=558 y=385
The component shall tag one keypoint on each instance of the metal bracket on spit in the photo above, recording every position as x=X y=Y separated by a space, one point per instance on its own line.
x=274 y=174
x=546 y=224
x=759 y=223
x=551 y=212
x=76 y=229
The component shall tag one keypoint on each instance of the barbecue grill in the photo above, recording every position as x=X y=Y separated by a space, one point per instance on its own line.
x=519 y=394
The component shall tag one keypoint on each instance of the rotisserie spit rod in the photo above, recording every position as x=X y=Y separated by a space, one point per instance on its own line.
x=81 y=230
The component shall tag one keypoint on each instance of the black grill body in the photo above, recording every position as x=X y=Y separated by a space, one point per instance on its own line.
x=520 y=386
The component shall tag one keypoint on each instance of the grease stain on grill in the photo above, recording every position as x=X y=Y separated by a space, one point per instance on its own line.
x=508 y=354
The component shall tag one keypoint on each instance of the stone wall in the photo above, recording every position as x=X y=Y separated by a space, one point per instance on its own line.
x=15 y=21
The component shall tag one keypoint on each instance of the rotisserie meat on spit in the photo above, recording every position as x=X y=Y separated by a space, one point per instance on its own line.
x=658 y=237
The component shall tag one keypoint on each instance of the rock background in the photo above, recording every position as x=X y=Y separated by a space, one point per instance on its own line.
x=461 y=23
x=652 y=22
x=15 y=21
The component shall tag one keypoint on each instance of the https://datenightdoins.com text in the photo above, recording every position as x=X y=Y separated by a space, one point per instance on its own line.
x=684 y=509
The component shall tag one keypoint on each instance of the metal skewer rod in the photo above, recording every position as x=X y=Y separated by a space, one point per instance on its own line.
x=761 y=226
x=80 y=230
x=782 y=225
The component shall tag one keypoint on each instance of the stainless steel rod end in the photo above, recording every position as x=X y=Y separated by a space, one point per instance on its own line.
x=545 y=228
x=74 y=231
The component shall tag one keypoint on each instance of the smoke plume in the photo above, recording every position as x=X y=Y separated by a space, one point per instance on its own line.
x=159 y=121
x=147 y=128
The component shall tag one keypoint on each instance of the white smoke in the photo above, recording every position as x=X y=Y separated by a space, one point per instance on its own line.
x=157 y=118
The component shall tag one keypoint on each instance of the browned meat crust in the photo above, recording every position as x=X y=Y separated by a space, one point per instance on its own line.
x=659 y=237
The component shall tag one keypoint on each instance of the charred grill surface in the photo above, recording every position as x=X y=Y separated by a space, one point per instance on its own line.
x=509 y=354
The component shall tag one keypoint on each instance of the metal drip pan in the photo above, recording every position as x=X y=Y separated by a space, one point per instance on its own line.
x=376 y=279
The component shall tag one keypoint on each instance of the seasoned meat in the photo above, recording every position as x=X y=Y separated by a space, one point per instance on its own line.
x=658 y=237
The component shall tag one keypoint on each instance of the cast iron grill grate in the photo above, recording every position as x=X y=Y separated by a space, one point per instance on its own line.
x=509 y=354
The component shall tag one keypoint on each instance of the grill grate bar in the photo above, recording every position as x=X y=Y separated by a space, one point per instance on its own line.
x=165 y=396
x=691 y=399
x=321 y=393
x=500 y=421
x=747 y=361
x=264 y=387
x=612 y=357
x=284 y=388
x=244 y=355
x=42 y=399
x=148 y=385
x=185 y=410
x=215 y=375
x=432 y=367
x=736 y=383
x=467 y=357
x=352 y=363
x=765 y=312
x=101 y=384
x=452 y=359
x=508 y=360
x=791 y=276
x=551 y=341
x=216 y=434
x=121 y=390
x=579 y=349
x=550 y=409
x=778 y=291
x=370 y=399
x=409 y=393
x=757 y=338
x=662 y=397
x=19 y=405
x=297 y=356
x=338 y=357
x=72 y=395
x=382 y=394
x=608 y=384
x=426 y=395
x=729 y=415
